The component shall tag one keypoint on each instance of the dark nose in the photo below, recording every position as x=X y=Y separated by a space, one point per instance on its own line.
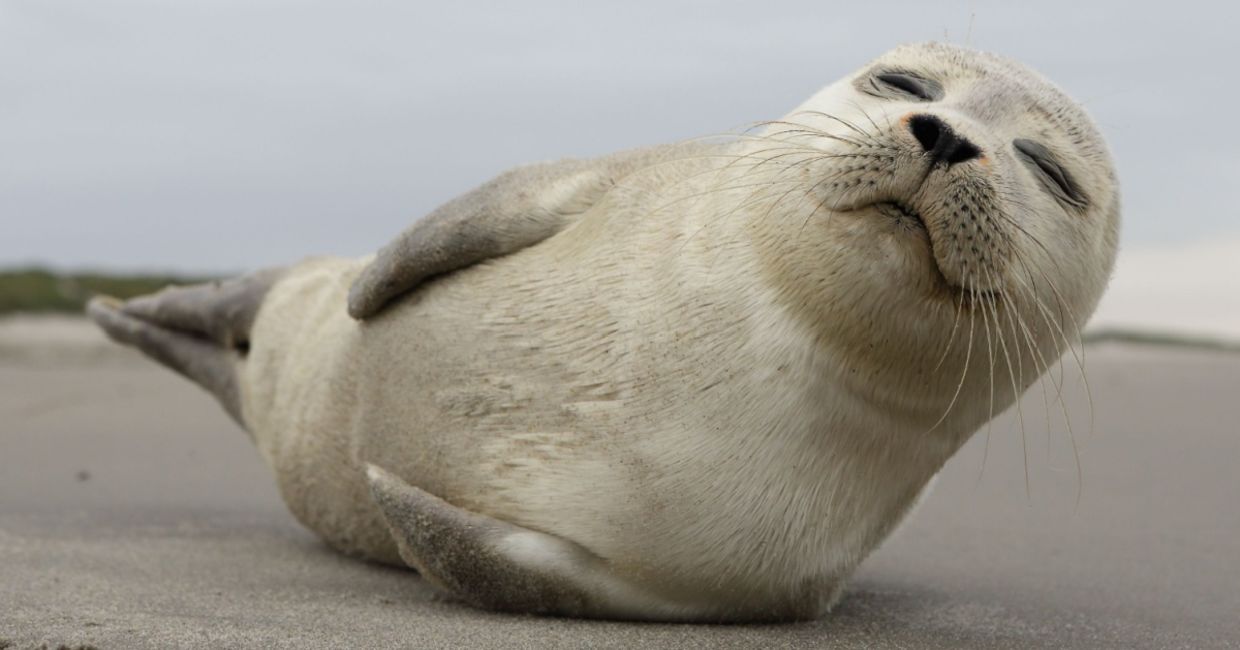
x=944 y=145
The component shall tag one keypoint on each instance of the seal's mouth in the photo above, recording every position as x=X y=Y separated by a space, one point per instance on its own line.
x=903 y=213
x=908 y=217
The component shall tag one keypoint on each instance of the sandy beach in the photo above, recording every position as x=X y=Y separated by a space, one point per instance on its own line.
x=134 y=514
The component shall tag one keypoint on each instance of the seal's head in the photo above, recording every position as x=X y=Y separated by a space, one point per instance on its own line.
x=957 y=206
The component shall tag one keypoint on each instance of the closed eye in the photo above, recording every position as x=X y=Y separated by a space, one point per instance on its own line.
x=904 y=85
x=1054 y=177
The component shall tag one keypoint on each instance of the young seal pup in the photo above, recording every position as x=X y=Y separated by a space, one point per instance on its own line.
x=690 y=383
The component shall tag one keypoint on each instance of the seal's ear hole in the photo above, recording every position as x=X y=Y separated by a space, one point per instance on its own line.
x=242 y=347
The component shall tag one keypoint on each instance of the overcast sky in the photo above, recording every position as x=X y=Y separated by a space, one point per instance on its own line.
x=224 y=135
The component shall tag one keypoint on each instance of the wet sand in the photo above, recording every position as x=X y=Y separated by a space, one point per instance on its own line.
x=134 y=514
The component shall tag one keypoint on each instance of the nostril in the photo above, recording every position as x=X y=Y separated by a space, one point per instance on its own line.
x=937 y=139
x=964 y=150
x=927 y=129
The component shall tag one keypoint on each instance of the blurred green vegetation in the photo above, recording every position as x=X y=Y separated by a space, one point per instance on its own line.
x=1161 y=339
x=42 y=290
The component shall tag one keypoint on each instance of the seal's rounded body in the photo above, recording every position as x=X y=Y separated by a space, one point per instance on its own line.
x=716 y=388
x=626 y=384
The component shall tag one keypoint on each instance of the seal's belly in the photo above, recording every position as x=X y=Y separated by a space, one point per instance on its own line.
x=497 y=380
x=501 y=390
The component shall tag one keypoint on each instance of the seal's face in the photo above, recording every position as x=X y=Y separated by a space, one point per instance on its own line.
x=938 y=177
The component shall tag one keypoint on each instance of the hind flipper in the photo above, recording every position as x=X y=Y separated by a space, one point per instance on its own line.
x=200 y=331
x=497 y=565
x=203 y=362
x=222 y=311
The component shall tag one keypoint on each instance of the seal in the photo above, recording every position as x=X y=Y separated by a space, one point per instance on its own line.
x=696 y=382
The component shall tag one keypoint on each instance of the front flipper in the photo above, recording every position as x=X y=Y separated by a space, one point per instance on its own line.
x=496 y=565
x=517 y=209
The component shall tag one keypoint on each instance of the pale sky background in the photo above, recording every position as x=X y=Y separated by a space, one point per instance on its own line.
x=223 y=135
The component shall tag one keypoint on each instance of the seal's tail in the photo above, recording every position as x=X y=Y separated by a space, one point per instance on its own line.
x=201 y=331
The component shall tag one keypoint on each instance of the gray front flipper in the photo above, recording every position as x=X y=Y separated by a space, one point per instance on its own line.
x=496 y=565
x=517 y=209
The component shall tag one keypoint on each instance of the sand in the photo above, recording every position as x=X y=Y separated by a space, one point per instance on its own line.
x=134 y=514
